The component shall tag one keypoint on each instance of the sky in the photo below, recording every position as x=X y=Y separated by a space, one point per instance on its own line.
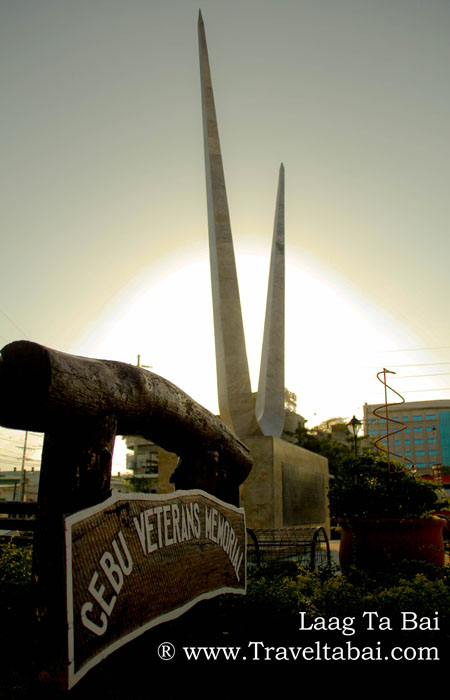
x=104 y=244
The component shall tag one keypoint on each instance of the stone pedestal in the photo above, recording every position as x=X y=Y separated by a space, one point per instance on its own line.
x=287 y=487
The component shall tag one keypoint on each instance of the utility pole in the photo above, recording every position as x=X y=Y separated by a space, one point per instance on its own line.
x=22 y=476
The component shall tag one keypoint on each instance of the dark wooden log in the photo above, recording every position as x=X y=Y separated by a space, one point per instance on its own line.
x=206 y=472
x=75 y=474
x=40 y=388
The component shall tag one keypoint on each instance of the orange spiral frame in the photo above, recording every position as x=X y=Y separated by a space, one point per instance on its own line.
x=386 y=417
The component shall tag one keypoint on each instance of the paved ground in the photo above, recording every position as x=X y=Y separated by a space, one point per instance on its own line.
x=334 y=547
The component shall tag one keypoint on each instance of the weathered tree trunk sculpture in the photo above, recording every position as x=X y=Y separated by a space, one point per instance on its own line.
x=43 y=389
x=81 y=404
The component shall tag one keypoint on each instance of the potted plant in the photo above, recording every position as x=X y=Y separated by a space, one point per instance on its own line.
x=386 y=513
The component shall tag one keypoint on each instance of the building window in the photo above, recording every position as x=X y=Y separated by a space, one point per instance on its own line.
x=417 y=418
x=432 y=452
x=430 y=416
x=419 y=441
x=407 y=454
x=418 y=429
x=420 y=453
x=407 y=442
x=430 y=428
x=421 y=465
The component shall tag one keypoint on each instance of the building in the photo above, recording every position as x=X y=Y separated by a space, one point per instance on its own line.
x=150 y=464
x=423 y=435
x=18 y=485
x=292 y=420
x=143 y=458
x=143 y=462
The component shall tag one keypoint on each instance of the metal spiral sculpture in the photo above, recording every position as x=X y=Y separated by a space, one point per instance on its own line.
x=386 y=417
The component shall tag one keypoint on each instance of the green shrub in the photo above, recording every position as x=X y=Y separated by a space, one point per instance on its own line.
x=419 y=594
x=15 y=563
x=276 y=595
x=369 y=488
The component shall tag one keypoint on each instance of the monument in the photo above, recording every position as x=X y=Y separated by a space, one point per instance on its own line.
x=287 y=485
x=236 y=404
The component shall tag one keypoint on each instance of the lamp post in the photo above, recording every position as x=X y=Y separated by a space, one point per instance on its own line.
x=354 y=427
x=437 y=474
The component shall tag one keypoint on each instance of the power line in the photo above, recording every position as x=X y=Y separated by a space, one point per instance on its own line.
x=13 y=462
x=414 y=376
x=418 y=364
x=14 y=324
x=414 y=391
x=443 y=347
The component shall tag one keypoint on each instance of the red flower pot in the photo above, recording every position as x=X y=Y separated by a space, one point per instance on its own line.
x=373 y=541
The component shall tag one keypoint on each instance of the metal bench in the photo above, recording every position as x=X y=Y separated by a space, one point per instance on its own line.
x=306 y=546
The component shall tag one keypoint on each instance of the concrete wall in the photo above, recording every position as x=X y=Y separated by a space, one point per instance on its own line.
x=288 y=486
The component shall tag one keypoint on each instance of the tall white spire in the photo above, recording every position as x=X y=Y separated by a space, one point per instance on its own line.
x=235 y=397
x=270 y=398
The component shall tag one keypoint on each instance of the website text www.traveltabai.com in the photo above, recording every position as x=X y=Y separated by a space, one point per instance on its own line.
x=321 y=650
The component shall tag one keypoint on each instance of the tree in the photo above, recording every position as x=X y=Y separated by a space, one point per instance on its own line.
x=330 y=423
x=321 y=442
x=290 y=401
x=141 y=484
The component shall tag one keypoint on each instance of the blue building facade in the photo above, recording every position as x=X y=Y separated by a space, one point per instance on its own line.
x=423 y=437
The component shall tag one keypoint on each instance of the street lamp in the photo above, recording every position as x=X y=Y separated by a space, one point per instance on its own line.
x=354 y=427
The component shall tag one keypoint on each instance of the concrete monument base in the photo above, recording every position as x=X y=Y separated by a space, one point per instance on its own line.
x=287 y=486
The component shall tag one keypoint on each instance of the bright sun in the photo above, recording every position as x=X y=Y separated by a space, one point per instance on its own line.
x=168 y=322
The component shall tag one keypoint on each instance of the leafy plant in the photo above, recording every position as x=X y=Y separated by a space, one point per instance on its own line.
x=368 y=487
x=15 y=563
x=275 y=596
x=323 y=443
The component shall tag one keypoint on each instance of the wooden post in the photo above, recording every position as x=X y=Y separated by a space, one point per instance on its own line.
x=206 y=471
x=75 y=474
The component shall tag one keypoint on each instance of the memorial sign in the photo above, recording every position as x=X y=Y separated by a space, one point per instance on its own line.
x=137 y=560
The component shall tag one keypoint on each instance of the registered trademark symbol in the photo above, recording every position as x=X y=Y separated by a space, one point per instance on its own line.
x=166 y=651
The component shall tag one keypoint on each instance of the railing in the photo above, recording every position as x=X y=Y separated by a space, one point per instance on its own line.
x=18 y=509
x=307 y=547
